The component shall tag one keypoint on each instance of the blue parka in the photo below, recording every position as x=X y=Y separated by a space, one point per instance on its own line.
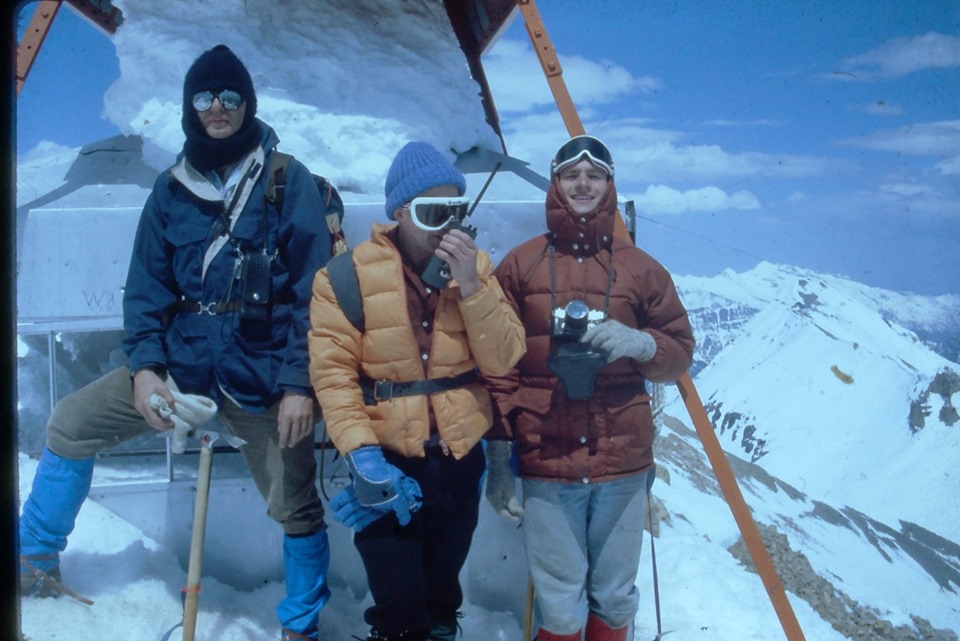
x=253 y=362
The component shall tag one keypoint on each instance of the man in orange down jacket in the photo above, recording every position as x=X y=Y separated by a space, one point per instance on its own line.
x=602 y=318
x=403 y=398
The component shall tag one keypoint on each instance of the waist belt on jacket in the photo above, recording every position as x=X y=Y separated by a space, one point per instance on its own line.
x=215 y=308
x=375 y=391
x=205 y=308
x=197 y=307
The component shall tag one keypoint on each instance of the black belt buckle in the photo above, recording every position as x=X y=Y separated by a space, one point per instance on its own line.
x=382 y=391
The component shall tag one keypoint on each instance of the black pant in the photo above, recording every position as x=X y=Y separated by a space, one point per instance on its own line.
x=414 y=571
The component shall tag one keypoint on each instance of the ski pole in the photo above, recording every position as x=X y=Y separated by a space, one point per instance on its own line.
x=528 y=611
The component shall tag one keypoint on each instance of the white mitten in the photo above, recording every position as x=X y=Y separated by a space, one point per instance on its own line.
x=501 y=483
x=192 y=410
x=617 y=340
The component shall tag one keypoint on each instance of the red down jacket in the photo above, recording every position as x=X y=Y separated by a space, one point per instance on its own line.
x=609 y=435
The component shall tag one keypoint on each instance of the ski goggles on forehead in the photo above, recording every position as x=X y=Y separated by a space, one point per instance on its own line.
x=580 y=148
x=230 y=99
x=433 y=214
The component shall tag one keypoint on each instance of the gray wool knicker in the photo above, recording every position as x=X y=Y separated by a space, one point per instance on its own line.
x=583 y=545
x=101 y=415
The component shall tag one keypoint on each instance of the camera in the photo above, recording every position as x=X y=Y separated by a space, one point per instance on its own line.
x=573 y=320
x=576 y=364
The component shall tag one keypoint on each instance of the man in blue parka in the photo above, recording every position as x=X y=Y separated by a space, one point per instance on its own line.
x=216 y=306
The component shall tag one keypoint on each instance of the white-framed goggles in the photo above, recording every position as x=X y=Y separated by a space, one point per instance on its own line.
x=436 y=213
x=579 y=148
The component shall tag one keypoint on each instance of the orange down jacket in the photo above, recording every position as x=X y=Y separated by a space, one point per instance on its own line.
x=480 y=331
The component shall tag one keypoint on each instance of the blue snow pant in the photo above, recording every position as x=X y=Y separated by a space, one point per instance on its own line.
x=101 y=415
x=414 y=571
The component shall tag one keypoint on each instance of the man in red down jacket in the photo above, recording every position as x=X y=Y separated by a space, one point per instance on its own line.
x=602 y=318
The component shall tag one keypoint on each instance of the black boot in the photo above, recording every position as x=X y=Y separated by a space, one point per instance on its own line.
x=406 y=635
x=445 y=630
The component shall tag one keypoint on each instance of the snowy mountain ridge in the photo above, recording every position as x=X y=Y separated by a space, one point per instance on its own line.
x=811 y=378
x=733 y=297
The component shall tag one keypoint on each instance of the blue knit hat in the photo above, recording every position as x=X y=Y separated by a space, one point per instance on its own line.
x=417 y=168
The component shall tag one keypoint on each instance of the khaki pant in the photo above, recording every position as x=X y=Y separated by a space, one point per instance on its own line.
x=101 y=415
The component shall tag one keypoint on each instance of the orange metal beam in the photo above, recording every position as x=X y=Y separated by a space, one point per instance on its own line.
x=547 y=55
x=551 y=66
x=721 y=467
x=33 y=38
x=741 y=512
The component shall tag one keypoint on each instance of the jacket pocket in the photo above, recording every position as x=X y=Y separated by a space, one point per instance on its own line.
x=189 y=246
x=534 y=399
x=253 y=368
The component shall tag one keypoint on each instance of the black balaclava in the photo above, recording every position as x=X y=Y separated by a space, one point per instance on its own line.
x=215 y=70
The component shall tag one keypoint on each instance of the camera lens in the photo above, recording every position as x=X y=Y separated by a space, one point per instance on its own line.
x=576 y=313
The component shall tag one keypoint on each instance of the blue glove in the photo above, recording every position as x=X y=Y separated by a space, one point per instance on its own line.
x=382 y=486
x=347 y=510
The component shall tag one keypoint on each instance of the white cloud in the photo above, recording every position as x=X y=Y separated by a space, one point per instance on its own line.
x=903 y=56
x=893 y=199
x=43 y=150
x=905 y=189
x=921 y=139
x=950 y=166
x=880 y=108
x=518 y=84
x=660 y=199
x=645 y=155
x=761 y=122
x=666 y=161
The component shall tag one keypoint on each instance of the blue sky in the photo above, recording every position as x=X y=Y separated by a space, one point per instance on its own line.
x=820 y=134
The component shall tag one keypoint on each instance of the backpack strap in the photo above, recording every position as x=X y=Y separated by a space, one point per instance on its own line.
x=333 y=204
x=346 y=288
x=277 y=178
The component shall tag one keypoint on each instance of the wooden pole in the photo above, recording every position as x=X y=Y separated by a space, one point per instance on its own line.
x=528 y=612
x=191 y=600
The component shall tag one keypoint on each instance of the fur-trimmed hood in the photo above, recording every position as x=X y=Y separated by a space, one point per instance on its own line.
x=581 y=234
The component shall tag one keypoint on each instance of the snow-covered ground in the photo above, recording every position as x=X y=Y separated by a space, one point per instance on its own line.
x=135 y=584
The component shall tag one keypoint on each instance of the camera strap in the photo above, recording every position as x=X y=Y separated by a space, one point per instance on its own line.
x=229 y=214
x=232 y=210
x=553 y=280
